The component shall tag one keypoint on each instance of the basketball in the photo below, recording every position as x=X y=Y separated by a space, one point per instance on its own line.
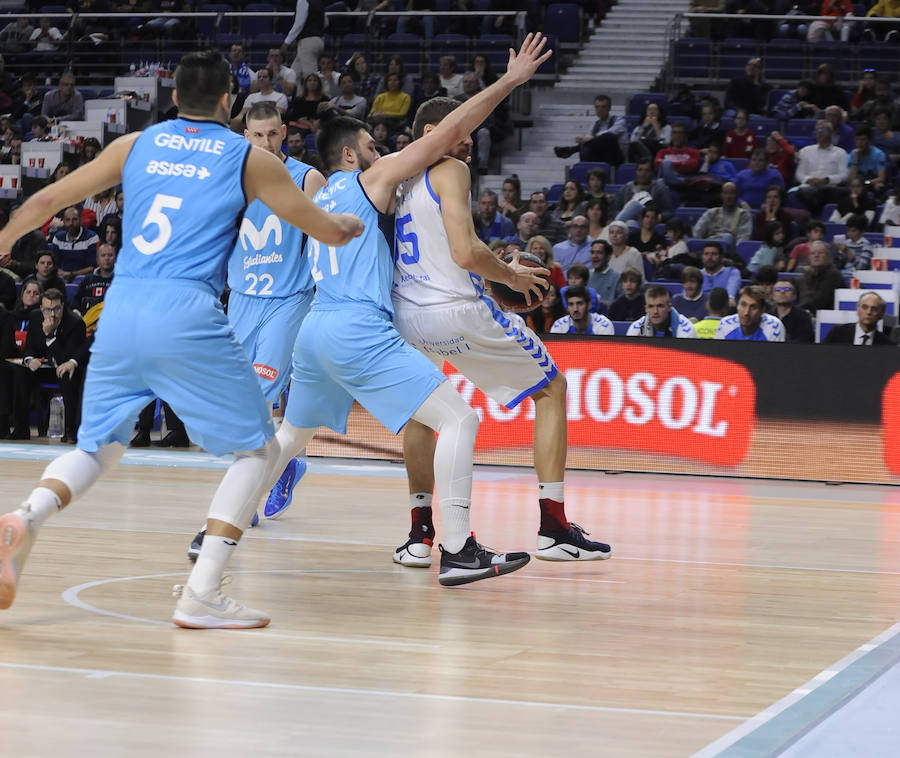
x=509 y=298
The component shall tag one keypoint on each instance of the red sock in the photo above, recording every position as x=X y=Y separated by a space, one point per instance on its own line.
x=422 y=525
x=553 y=515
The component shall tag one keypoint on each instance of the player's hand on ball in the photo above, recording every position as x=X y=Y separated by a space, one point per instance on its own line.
x=531 y=281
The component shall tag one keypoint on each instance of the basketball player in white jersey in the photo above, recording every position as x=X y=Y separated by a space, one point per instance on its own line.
x=441 y=308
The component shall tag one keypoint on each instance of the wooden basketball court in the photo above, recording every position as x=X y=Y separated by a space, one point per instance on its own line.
x=722 y=597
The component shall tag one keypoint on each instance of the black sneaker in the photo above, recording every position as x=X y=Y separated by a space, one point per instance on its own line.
x=476 y=562
x=196 y=544
x=570 y=545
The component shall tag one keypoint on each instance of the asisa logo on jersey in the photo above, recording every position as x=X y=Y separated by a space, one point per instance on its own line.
x=266 y=372
x=256 y=239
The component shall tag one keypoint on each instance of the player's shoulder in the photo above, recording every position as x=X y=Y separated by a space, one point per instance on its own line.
x=635 y=327
x=561 y=325
x=773 y=328
x=603 y=323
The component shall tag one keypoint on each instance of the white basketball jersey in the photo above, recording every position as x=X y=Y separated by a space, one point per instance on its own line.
x=424 y=271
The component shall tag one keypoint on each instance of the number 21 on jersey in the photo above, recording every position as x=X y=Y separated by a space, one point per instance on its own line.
x=315 y=248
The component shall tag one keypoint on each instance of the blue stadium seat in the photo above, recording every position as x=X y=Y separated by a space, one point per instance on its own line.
x=763 y=126
x=775 y=96
x=747 y=249
x=833 y=52
x=686 y=121
x=554 y=193
x=832 y=228
x=692 y=58
x=637 y=102
x=689 y=215
x=784 y=60
x=612 y=189
x=624 y=174
x=309 y=142
x=206 y=25
x=695 y=244
x=548 y=69
x=254 y=26
x=739 y=163
x=881 y=56
x=409 y=48
x=828 y=210
x=876 y=238
x=579 y=171
x=563 y=21
x=735 y=52
x=494 y=47
x=621 y=327
x=800 y=127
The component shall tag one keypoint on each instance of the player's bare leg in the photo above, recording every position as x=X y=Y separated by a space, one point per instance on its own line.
x=419 y=445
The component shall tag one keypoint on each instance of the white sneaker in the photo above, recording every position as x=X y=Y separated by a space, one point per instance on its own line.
x=16 y=538
x=417 y=554
x=214 y=610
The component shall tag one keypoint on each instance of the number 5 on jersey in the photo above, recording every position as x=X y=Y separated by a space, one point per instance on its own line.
x=409 y=253
x=156 y=217
x=315 y=249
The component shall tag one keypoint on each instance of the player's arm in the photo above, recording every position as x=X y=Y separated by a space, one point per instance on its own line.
x=266 y=178
x=103 y=172
x=382 y=177
x=450 y=179
x=313 y=182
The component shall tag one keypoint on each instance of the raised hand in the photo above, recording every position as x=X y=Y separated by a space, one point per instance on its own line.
x=522 y=65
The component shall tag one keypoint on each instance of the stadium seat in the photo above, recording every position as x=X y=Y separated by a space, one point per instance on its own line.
x=784 y=60
x=625 y=173
x=494 y=47
x=833 y=52
x=554 y=193
x=621 y=327
x=579 y=171
x=763 y=127
x=832 y=228
x=563 y=21
x=739 y=163
x=692 y=58
x=637 y=102
x=735 y=52
x=409 y=48
x=686 y=121
x=747 y=249
x=695 y=244
x=254 y=26
x=775 y=96
x=800 y=127
x=881 y=56
x=689 y=215
x=206 y=25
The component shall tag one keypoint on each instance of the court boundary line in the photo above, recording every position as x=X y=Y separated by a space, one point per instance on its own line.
x=106 y=673
x=774 y=729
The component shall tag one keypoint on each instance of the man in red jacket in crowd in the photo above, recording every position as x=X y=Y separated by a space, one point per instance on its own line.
x=676 y=163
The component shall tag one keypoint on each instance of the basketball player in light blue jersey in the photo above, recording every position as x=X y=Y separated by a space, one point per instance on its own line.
x=350 y=347
x=163 y=331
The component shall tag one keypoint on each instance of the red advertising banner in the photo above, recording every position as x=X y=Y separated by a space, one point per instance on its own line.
x=634 y=397
x=890 y=424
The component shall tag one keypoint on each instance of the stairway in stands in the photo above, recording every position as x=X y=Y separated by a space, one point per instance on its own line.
x=623 y=56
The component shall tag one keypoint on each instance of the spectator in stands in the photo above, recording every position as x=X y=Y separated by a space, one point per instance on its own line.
x=11 y=153
x=511 y=204
x=646 y=240
x=853 y=249
x=796 y=103
x=576 y=249
x=623 y=255
x=885 y=9
x=823 y=30
x=31 y=99
x=382 y=136
x=771 y=252
x=283 y=76
x=577 y=276
x=747 y=92
x=740 y=141
x=675 y=163
x=571 y=202
x=93 y=287
x=401 y=140
x=102 y=204
x=46 y=38
x=265 y=93
x=753 y=182
x=772 y=210
x=55 y=337
x=867 y=162
x=728 y=223
x=820 y=280
x=781 y=156
x=548 y=226
x=245 y=75
x=307 y=30
x=15 y=38
x=490 y=224
x=869 y=311
x=643 y=189
x=328 y=75
x=551 y=309
x=20 y=262
x=307 y=108
x=630 y=304
x=431 y=86
x=650 y=135
x=540 y=247
x=110 y=232
x=606 y=142
x=602 y=277
x=703 y=28
x=717 y=308
x=449 y=79
x=596 y=216
x=865 y=90
x=821 y=169
x=660 y=318
x=596 y=187
x=669 y=262
x=7 y=291
x=842 y=134
x=798 y=326
x=883 y=100
x=297 y=149
x=751 y=322
x=709 y=130
x=885 y=139
x=825 y=90
x=65 y=103
x=857 y=199
x=715 y=167
x=367 y=83
x=392 y=104
x=483 y=70
x=716 y=273
x=14 y=326
x=526 y=228
x=691 y=302
x=90 y=149
x=348 y=103
x=75 y=246
x=799 y=258
x=580 y=319
x=890 y=214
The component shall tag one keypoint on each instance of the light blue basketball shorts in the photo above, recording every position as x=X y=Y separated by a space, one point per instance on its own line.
x=267 y=328
x=348 y=353
x=171 y=339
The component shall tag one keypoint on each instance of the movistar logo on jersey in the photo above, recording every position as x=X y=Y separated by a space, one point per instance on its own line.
x=254 y=238
x=259 y=259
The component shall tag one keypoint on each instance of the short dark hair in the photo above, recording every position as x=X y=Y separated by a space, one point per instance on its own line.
x=336 y=134
x=578 y=290
x=766 y=275
x=607 y=248
x=598 y=172
x=657 y=290
x=691 y=274
x=758 y=151
x=200 y=81
x=433 y=112
x=631 y=274
x=864 y=130
x=788 y=282
x=53 y=295
x=605 y=98
x=769 y=231
x=754 y=292
x=816 y=224
x=718 y=300
x=713 y=243
x=579 y=270
x=40 y=121
x=262 y=111
x=857 y=221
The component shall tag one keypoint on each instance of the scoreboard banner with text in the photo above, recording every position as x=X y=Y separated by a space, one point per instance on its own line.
x=813 y=412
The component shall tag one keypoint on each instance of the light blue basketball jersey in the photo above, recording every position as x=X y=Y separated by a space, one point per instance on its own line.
x=268 y=259
x=362 y=270
x=183 y=199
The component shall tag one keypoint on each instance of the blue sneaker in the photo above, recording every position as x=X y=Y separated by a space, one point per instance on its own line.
x=255 y=520
x=279 y=499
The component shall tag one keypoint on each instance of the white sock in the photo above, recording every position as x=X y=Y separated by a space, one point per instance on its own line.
x=420 y=500
x=455 y=518
x=39 y=505
x=552 y=491
x=210 y=565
